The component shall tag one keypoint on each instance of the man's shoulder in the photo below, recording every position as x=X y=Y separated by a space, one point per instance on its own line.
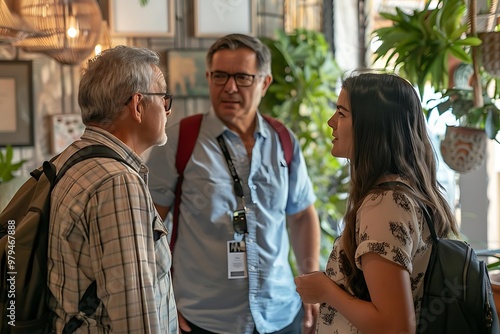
x=92 y=173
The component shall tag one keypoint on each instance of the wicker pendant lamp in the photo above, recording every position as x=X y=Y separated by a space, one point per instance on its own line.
x=12 y=28
x=73 y=28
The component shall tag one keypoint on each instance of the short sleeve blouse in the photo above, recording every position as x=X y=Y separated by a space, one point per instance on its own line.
x=390 y=225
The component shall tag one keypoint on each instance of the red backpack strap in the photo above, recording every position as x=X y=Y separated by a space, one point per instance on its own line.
x=284 y=135
x=189 y=128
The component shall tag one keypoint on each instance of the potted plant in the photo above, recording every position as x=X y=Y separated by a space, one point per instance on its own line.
x=464 y=146
x=7 y=167
x=9 y=183
x=302 y=95
x=420 y=44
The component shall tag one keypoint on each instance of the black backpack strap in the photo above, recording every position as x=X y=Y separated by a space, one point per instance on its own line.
x=86 y=307
x=428 y=219
x=89 y=302
x=88 y=152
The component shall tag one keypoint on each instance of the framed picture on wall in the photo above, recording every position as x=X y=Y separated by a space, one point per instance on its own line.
x=128 y=18
x=186 y=73
x=215 y=18
x=64 y=129
x=16 y=101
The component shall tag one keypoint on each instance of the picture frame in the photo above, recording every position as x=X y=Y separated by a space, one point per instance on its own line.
x=16 y=99
x=186 y=73
x=65 y=129
x=216 y=18
x=128 y=18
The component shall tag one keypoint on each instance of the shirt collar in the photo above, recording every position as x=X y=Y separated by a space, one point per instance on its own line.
x=96 y=135
x=216 y=127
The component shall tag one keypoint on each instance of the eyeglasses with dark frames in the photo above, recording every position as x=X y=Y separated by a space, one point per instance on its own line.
x=167 y=97
x=241 y=79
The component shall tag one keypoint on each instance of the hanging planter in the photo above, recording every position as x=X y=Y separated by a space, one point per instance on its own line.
x=464 y=149
x=490 y=52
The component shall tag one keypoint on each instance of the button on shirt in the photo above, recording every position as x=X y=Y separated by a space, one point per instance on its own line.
x=102 y=221
x=266 y=300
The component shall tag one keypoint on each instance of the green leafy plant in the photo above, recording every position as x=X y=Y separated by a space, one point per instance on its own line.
x=7 y=167
x=461 y=104
x=302 y=95
x=419 y=44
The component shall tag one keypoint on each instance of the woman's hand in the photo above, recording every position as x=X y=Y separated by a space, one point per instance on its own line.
x=311 y=287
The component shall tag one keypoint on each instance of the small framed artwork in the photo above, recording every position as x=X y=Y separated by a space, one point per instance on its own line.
x=186 y=73
x=215 y=18
x=128 y=18
x=16 y=101
x=65 y=128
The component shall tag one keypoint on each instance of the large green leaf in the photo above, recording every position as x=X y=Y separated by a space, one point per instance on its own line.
x=419 y=43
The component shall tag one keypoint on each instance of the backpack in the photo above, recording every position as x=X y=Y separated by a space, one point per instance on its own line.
x=24 y=226
x=458 y=297
x=189 y=128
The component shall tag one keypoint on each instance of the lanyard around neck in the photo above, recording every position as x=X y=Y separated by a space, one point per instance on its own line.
x=238 y=188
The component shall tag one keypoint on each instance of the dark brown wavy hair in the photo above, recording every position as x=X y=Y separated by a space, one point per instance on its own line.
x=389 y=137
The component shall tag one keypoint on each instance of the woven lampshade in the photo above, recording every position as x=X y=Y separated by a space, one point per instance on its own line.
x=73 y=27
x=12 y=28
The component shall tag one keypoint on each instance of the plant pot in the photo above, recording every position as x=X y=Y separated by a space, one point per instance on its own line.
x=464 y=149
x=490 y=52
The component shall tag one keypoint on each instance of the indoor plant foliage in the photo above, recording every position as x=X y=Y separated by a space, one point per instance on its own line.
x=302 y=95
x=7 y=166
x=419 y=44
x=463 y=147
x=461 y=104
x=9 y=182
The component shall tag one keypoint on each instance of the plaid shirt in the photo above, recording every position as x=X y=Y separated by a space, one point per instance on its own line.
x=101 y=229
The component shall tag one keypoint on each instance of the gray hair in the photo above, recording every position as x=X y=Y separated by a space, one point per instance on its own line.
x=111 y=78
x=236 y=41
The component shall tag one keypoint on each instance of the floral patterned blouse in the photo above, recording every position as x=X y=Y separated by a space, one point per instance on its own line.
x=388 y=224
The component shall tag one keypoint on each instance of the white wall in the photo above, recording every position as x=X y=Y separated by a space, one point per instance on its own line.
x=346 y=34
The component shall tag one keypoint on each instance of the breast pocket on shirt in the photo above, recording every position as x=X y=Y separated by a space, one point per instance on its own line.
x=162 y=250
x=272 y=180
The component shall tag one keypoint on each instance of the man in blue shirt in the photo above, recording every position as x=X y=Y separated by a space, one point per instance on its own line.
x=231 y=270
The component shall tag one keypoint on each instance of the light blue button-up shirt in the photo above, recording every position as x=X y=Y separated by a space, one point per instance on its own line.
x=205 y=296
